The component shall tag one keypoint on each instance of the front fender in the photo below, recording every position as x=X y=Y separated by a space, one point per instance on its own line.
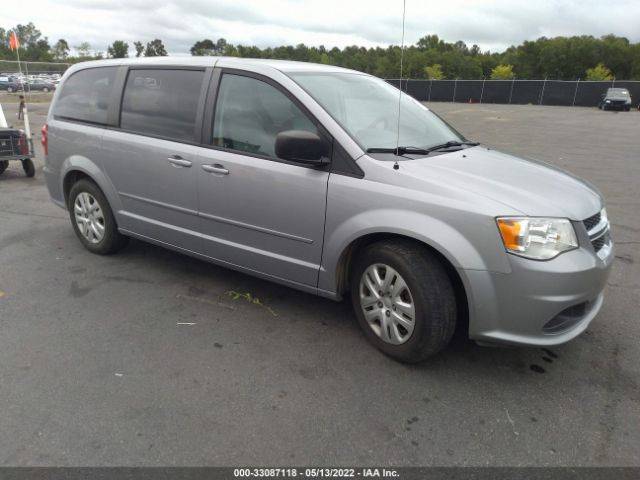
x=448 y=241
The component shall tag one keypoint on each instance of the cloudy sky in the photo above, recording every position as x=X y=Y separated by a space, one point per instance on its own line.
x=492 y=24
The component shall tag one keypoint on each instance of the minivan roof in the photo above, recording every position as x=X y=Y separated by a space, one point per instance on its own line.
x=229 y=62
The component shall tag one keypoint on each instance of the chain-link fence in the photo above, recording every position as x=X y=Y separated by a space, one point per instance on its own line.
x=11 y=68
x=536 y=92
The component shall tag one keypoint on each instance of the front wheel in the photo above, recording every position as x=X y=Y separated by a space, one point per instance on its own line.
x=404 y=300
x=45 y=89
x=9 y=89
x=3 y=166
x=93 y=220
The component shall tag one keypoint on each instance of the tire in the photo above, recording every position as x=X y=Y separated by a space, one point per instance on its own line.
x=3 y=166
x=111 y=240
x=627 y=109
x=28 y=167
x=45 y=90
x=9 y=89
x=430 y=292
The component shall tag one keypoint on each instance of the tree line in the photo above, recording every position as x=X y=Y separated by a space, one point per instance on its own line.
x=562 y=58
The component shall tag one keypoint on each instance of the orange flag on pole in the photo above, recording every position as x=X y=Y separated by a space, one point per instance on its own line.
x=14 y=44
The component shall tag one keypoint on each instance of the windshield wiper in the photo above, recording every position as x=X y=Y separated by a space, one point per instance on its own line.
x=451 y=144
x=399 y=151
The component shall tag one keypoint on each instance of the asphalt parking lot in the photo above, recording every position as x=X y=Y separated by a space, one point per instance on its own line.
x=150 y=357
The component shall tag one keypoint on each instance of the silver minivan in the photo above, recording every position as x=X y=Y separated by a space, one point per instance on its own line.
x=332 y=182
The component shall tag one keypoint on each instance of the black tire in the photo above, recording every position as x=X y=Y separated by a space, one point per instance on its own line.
x=627 y=109
x=45 y=90
x=9 y=89
x=4 y=164
x=431 y=291
x=112 y=240
x=28 y=167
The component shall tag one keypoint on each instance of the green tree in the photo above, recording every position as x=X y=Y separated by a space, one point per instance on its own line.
x=84 y=49
x=203 y=48
x=599 y=73
x=60 y=50
x=155 y=48
x=434 y=72
x=502 y=72
x=139 y=48
x=118 y=49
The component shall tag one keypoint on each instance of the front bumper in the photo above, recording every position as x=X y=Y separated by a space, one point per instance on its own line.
x=540 y=303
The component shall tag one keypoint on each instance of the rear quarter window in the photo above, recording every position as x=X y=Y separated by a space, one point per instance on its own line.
x=85 y=95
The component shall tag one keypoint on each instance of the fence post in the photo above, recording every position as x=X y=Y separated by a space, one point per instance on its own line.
x=513 y=81
x=455 y=86
x=544 y=84
x=482 y=91
x=573 y=104
x=430 y=84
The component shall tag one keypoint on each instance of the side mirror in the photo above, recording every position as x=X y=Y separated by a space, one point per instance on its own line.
x=300 y=146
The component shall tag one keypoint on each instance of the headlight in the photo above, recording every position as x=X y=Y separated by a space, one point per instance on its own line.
x=607 y=101
x=537 y=238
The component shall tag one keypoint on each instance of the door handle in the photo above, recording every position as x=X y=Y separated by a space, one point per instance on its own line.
x=217 y=169
x=177 y=161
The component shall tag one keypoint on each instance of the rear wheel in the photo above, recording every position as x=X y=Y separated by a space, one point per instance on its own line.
x=93 y=220
x=403 y=299
x=3 y=165
x=28 y=167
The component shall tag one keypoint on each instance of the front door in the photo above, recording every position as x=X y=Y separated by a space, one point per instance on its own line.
x=258 y=211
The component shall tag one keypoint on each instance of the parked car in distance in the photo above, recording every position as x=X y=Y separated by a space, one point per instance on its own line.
x=9 y=84
x=616 y=99
x=37 y=84
x=305 y=175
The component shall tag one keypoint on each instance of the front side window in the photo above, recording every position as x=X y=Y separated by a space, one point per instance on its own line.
x=367 y=108
x=85 y=95
x=250 y=113
x=162 y=102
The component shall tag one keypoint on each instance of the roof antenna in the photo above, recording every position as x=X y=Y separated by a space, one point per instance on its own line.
x=396 y=166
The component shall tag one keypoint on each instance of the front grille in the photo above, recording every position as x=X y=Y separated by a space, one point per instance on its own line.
x=598 y=234
x=600 y=242
x=591 y=222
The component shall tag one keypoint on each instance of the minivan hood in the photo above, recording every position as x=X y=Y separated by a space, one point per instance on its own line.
x=531 y=187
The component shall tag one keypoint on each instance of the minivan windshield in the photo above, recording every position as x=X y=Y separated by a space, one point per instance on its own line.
x=367 y=108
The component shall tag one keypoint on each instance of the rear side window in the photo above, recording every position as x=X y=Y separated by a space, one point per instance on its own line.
x=85 y=95
x=162 y=103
